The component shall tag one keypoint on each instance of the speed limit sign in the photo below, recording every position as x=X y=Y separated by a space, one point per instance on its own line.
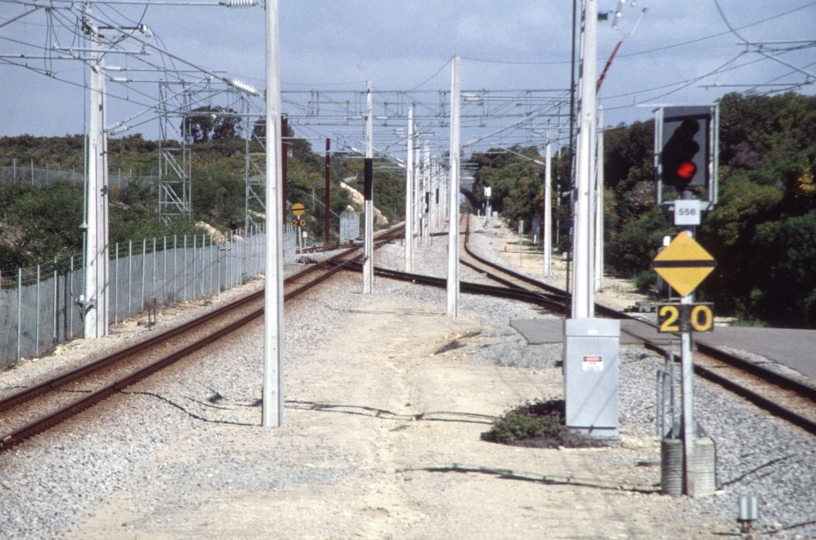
x=685 y=317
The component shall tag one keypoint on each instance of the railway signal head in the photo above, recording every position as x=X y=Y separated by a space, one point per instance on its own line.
x=684 y=155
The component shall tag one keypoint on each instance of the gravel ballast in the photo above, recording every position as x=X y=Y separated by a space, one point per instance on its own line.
x=151 y=451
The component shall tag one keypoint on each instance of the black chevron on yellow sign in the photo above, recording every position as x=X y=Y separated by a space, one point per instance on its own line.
x=684 y=264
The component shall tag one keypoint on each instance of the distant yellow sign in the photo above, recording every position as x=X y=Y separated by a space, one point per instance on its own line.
x=298 y=209
x=684 y=264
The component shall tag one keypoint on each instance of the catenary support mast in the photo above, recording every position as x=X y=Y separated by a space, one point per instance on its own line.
x=368 y=189
x=95 y=304
x=453 y=223
x=272 y=414
x=409 y=195
x=582 y=290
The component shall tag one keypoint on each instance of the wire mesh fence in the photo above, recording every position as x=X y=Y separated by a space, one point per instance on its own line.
x=39 y=306
x=38 y=174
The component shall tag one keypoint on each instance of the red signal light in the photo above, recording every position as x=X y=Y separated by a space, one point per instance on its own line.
x=686 y=170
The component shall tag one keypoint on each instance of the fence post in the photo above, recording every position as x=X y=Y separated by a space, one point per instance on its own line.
x=175 y=290
x=144 y=257
x=19 y=312
x=153 y=281
x=194 y=265
x=164 y=271
x=203 y=262
x=184 y=268
x=71 y=302
x=37 y=323
x=211 y=265
x=130 y=276
x=116 y=286
x=55 y=336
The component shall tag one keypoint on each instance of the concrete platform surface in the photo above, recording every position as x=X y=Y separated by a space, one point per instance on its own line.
x=795 y=349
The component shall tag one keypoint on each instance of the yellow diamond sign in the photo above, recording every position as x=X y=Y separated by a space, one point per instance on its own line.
x=684 y=264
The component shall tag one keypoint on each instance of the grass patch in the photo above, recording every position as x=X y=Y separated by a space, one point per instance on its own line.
x=537 y=424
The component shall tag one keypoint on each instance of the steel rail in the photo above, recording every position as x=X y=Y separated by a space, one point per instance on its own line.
x=86 y=369
x=541 y=300
x=465 y=286
x=7 y=440
x=514 y=292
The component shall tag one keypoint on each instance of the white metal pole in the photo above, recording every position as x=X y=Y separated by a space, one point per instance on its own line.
x=409 y=194
x=368 y=258
x=582 y=293
x=453 y=224
x=418 y=224
x=426 y=193
x=272 y=413
x=434 y=195
x=96 y=249
x=546 y=232
x=599 y=207
x=687 y=397
x=687 y=381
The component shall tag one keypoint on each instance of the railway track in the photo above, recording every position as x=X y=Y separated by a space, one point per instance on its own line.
x=46 y=404
x=782 y=396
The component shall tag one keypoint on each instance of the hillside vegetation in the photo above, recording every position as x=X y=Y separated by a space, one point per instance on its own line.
x=762 y=233
x=39 y=223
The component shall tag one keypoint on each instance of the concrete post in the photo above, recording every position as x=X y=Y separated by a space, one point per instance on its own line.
x=582 y=292
x=272 y=398
x=96 y=219
x=546 y=233
x=453 y=224
x=368 y=257
x=409 y=194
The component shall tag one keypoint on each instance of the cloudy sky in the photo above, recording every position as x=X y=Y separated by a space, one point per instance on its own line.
x=672 y=52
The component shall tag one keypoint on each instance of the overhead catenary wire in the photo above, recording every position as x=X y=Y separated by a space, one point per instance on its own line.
x=720 y=34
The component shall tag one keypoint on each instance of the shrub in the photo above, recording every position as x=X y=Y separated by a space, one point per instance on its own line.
x=539 y=424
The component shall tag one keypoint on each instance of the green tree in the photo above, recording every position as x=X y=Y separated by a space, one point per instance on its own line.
x=208 y=123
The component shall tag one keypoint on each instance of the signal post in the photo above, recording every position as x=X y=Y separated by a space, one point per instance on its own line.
x=686 y=162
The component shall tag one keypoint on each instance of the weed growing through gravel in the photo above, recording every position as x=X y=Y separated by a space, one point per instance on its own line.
x=537 y=424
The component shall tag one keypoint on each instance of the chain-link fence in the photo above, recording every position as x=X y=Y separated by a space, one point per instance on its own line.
x=39 y=308
x=38 y=174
